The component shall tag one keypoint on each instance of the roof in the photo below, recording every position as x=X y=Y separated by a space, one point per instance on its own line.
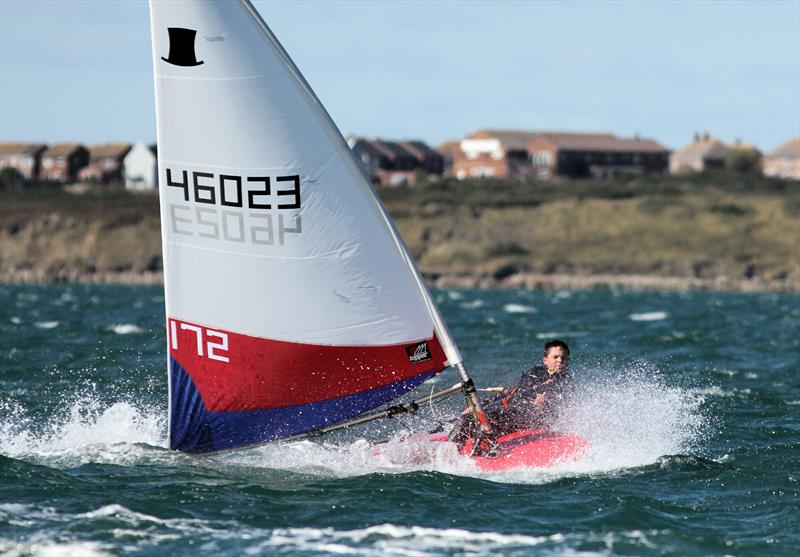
x=109 y=150
x=62 y=149
x=574 y=141
x=601 y=142
x=450 y=149
x=704 y=149
x=510 y=139
x=364 y=145
x=392 y=149
x=790 y=149
x=21 y=148
x=419 y=149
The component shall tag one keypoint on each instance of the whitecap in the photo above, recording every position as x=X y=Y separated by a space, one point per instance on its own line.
x=16 y=320
x=47 y=324
x=648 y=316
x=125 y=328
x=472 y=304
x=518 y=308
x=48 y=548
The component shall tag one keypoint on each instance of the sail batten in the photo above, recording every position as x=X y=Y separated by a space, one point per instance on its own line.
x=291 y=301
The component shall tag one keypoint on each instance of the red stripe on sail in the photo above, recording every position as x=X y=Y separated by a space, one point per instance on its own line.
x=235 y=372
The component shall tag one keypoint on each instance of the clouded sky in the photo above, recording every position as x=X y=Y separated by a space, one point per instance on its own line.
x=81 y=70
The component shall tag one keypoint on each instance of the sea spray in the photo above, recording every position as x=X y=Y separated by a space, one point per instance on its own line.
x=83 y=429
x=631 y=416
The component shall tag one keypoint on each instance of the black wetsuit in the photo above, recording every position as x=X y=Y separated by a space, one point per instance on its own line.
x=514 y=410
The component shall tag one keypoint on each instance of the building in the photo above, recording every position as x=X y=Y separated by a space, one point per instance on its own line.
x=26 y=158
x=494 y=153
x=522 y=155
x=428 y=159
x=703 y=153
x=596 y=155
x=141 y=168
x=392 y=163
x=783 y=162
x=61 y=162
x=105 y=163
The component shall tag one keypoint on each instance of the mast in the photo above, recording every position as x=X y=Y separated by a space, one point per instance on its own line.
x=454 y=356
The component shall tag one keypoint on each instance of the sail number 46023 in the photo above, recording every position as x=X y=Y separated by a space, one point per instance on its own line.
x=209 y=343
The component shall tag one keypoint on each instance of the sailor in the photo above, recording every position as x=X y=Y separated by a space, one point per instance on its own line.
x=532 y=403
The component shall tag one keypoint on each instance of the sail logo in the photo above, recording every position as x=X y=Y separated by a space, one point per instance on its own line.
x=181 y=47
x=418 y=352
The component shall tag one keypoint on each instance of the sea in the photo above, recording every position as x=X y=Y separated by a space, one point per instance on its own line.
x=690 y=403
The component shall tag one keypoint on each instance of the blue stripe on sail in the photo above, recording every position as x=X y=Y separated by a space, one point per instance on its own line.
x=193 y=429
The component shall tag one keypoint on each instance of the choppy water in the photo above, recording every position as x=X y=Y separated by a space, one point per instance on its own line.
x=691 y=403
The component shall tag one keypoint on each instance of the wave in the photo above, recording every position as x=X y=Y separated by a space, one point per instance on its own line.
x=649 y=316
x=125 y=329
x=231 y=537
x=518 y=308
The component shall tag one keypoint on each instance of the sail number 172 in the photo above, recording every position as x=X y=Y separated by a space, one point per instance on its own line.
x=209 y=343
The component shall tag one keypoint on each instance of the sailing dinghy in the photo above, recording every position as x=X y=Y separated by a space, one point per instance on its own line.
x=293 y=307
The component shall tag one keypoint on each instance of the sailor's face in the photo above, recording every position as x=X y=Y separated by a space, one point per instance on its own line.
x=556 y=359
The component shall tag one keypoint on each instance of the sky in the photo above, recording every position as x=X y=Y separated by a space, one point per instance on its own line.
x=81 y=70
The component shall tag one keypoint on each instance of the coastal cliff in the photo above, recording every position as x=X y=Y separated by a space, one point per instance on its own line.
x=724 y=232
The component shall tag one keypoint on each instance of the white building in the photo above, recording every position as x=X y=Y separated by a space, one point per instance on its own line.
x=141 y=168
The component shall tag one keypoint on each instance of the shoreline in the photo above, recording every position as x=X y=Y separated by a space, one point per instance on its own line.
x=524 y=281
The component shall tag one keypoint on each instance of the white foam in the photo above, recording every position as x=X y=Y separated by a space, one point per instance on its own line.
x=472 y=304
x=125 y=329
x=543 y=336
x=518 y=308
x=16 y=320
x=46 y=324
x=649 y=316
x=83 y=431
x=630 y=418
x=54 y=549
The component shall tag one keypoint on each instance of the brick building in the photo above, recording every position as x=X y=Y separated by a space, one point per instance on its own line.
x=26 y=158
x=61 y=162
x=783 y=162
x=106 y=163
x=522 y=155
x=494 y=153
x=601 y=155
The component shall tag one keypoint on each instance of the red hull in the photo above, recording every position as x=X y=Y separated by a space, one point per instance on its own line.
x=531 y=448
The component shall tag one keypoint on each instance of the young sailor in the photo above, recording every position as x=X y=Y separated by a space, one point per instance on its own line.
x=531 y=404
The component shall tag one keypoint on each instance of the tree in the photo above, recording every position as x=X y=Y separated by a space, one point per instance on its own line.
x=744 y=159
x=11 y=179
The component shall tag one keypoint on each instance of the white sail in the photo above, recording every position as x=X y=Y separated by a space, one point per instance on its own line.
x=289 y=296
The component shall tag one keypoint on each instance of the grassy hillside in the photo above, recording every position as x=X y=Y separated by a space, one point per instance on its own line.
x=709 y=227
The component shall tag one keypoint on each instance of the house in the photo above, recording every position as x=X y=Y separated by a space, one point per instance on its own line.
x=61 y=162
x=703 y=153
x=105 y=163
x=522 y=155
x=428 y=159
x=783 y=162
x=140 y=168
x=597 y=155
x=26 y=158
x=391 y=163
x=494 y=153
x=372 y=159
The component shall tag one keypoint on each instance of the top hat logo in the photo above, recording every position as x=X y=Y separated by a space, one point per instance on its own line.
x=181 y=47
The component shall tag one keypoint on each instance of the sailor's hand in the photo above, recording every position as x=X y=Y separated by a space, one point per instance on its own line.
x=539 y=400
